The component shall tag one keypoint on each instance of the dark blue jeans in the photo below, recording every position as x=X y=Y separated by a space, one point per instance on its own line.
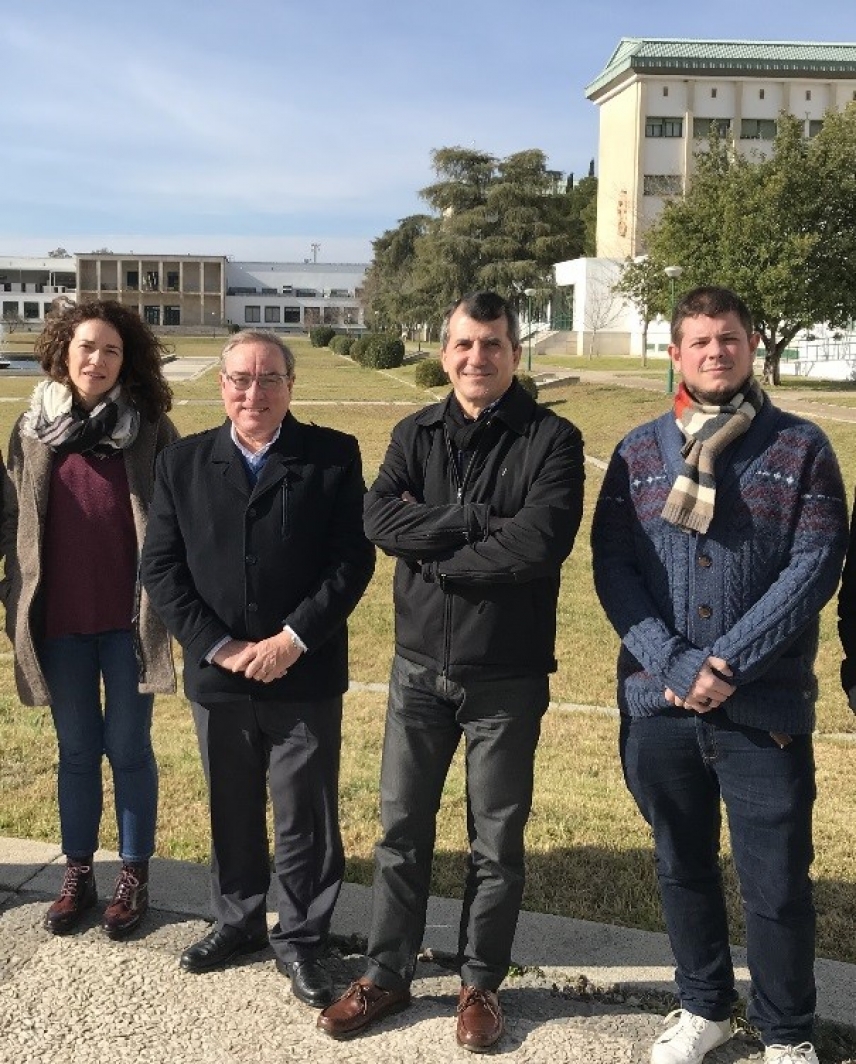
x=74 y=667
x=500 y=721
x=678 y=766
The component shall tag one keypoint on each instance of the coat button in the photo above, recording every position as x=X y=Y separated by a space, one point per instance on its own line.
x=252 y=607
x=704 y=612
x=250 y=559
x=251 y=512
x=705 y=561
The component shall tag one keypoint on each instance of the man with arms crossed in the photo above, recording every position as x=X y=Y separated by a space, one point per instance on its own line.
x=254 y=558
x=479 y=499
x=718 y=537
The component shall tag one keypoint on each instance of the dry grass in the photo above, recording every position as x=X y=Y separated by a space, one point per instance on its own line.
x=589 y=851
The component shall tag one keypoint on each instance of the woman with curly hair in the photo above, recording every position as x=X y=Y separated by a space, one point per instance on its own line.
x=80 y=478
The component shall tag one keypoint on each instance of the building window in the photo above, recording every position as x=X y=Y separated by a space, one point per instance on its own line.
x=291 y=315
x=665 y=90
x=172 y=280
x=808 y=94
x=661 y=185
x=306 y=293
x=151 y=315
x=31 y=311
x=132 y=279
x=152 y=280
x=703 y=126
x=664 y=127
x=760 y=94
x=332 y=315
x=815 y=126
x=10 y=308
x=350 y=315
x=172 y=315
x=713 y=94
x=288 y=290
x=253 y=314
x=272 y=315
x=758 y=129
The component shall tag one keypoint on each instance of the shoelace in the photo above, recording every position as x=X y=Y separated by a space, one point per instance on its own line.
x=786 y=1053
x=475 y=996
x=689 y=1030
x=71 y=881
x=365 y=995
x=126 y=884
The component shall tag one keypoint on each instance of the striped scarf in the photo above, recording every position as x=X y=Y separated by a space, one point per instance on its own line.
x=708 y=430
x=55 y=420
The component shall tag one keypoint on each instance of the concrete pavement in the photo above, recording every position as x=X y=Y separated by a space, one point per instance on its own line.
x=581 y=992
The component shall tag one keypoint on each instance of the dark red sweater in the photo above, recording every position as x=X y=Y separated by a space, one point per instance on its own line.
x=89 y=554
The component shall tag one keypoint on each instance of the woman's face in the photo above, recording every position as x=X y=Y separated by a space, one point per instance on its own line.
x=94 y=361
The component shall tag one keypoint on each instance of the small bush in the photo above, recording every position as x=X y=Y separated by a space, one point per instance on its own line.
x=383 y=352
x=341 y=343
x=527 y=383
x=430 y=374
x=358 y=349
x=321 y=335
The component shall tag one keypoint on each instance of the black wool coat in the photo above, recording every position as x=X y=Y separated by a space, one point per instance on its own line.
x=225 y=558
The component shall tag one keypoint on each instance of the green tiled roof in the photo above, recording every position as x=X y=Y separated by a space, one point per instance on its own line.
x=782 y=59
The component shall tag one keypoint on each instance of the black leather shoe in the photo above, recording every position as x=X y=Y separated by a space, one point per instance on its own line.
x=218 y=948
x=310 y=982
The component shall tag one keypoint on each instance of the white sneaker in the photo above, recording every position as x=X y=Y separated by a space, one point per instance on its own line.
x=690 y=1038
x=802 y=1054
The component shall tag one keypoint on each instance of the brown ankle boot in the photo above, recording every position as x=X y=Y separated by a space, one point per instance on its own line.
x=78 y=894
x=130 y=900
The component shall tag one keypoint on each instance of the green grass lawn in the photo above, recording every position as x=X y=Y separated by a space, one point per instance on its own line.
x=589 y=851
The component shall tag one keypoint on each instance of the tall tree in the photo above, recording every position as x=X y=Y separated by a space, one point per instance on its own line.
x=781 y=231
x=496 y=223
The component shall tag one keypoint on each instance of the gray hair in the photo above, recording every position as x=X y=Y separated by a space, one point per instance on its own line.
x=259 y=336
x=483 y=306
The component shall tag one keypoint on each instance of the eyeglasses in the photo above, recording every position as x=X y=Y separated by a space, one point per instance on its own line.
x=268 y=382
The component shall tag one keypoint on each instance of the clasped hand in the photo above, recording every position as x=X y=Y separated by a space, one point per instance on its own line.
x=709 y=690
x=265 y=661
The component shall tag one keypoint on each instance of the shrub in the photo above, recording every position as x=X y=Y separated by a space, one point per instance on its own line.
x=430 y=374
x=383 y=351
x=341 y=343
x=358 y=349
x=321 y=335
x=527 y=383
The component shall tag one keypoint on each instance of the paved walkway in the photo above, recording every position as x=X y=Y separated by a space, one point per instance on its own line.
x=85 y=999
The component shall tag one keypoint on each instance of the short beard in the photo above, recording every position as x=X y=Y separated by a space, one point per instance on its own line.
x=720 y=400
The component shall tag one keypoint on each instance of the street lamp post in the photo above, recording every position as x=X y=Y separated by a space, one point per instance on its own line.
x=529 y=293
x=673 y=273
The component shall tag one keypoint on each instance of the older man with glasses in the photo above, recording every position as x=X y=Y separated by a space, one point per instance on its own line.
x=254 y=558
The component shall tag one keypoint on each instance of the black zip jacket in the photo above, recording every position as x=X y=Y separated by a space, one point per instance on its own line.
x=479 y=553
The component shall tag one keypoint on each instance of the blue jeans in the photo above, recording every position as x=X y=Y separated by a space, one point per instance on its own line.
x=677 y=766
x=74 y=667
x=427 y=715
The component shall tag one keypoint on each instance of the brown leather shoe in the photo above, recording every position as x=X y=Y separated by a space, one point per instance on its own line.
x=480 y=1022
x=76 y=895
x=130 y=900
x=362 y=1004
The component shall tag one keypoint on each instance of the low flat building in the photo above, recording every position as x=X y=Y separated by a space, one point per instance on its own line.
x=29 y=285
x=295 y=296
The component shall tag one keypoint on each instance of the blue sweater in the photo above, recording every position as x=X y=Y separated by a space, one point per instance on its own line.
x=750 y=590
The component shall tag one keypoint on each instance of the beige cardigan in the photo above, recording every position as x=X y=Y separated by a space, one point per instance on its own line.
x=25 y=502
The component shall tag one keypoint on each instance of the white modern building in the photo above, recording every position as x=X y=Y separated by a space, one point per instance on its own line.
x=29 y=285
x=292 y=297
x=657 y=100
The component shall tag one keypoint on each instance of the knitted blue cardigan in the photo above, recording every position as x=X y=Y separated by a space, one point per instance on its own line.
x=750 y=590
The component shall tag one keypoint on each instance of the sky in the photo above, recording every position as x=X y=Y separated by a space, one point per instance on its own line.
x=256 y=130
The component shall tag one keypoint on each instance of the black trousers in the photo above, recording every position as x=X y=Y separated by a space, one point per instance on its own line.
x=294 y=749
x=500 y=721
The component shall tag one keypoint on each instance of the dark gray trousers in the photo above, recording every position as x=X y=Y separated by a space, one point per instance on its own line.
x=500 y=721
x=292 y=748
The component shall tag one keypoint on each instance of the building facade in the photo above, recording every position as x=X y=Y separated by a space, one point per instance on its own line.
x=659 y=97
x=168 y=291
x=293 y=297
x=29 y=285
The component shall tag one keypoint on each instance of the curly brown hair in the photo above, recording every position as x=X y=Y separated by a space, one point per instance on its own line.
x=141 y=374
